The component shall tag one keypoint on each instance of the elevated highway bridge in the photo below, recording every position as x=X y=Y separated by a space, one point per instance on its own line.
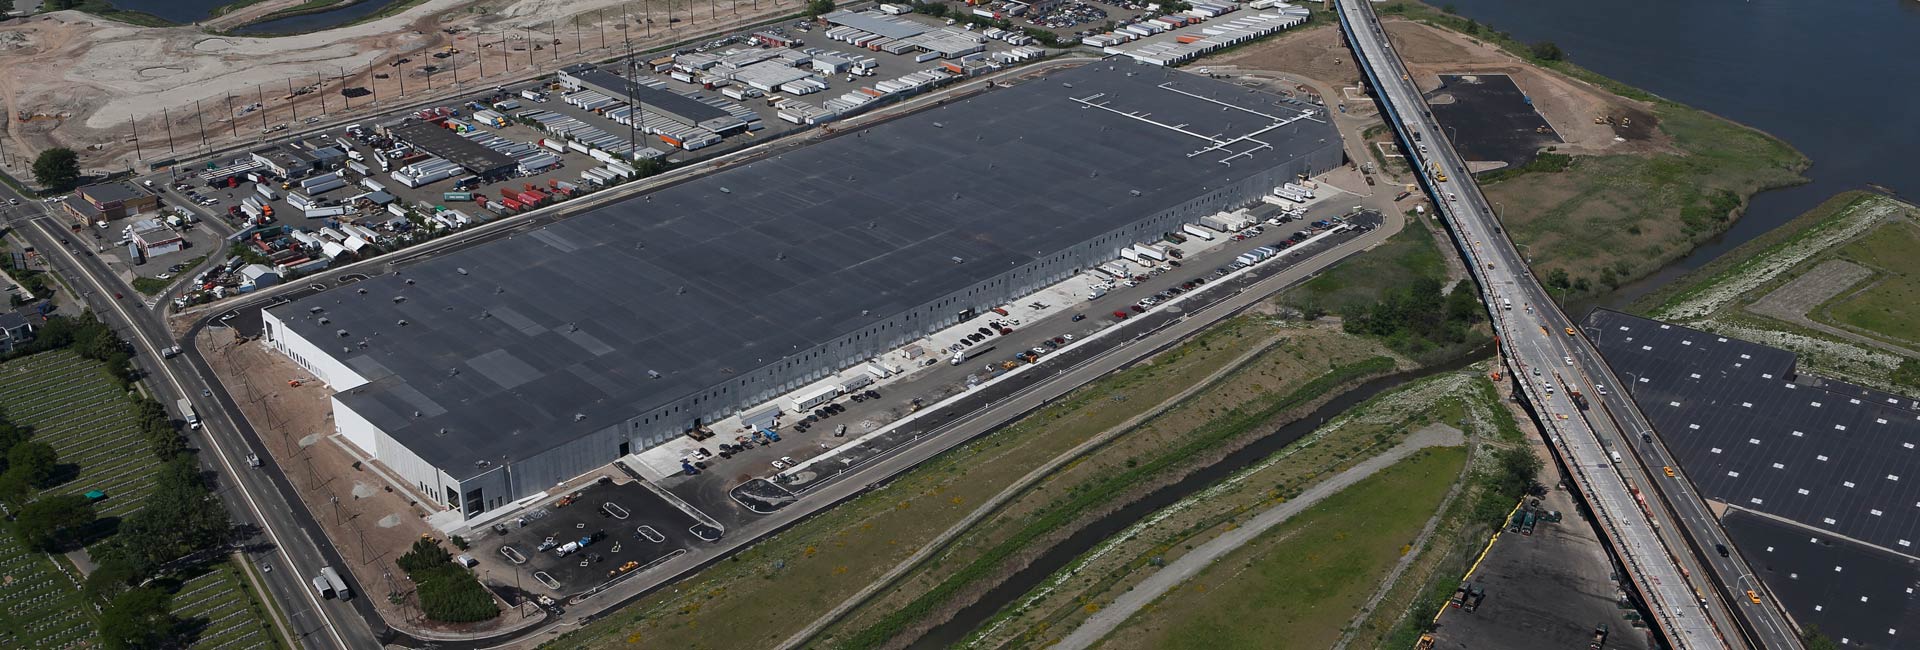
x=1656 y=528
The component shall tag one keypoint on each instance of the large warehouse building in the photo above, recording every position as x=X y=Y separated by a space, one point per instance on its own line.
x=494 y=372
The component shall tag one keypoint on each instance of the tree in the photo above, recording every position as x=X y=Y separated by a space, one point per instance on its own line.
x=140 y=618
x=112 y=576
x=1815 y=640
x=1547 y=51
x=35 y=462
x=58 y=167
x=1473 y=27
x=816 y=8
x=61 y=5
x=181 y=517
x=10 y=435
x=1463 y=303
x=49 y=523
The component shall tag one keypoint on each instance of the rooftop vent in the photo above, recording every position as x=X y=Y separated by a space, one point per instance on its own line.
x=462 y=270
x=486 y=314
x=403 y=322
x=654 y=374
x=1134 y=192
x=579 y=417
x=342 y=333
x=959 y=260
x=361 y=291
x=315 y=310
x=681 y=292
x=399 y=299
x=938 y=125
x=724 y=190
x=324 y=320
x=573 y=327
x=409 y=281
x=453 y=372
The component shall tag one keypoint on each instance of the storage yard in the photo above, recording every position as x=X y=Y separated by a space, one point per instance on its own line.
x=632 y=334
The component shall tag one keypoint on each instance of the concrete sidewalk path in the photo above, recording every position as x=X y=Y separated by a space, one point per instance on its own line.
x=1187 y=566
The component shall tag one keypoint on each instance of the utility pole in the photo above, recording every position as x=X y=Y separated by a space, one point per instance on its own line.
x=343 y=89
x=320 y=88
x=634 y=120
x=260 y=94
x=505 y=65
x=577 y=43
x=402 y=74
x=600 y=20
x=136 y=139
x=203 y=125
x=373 y=82
x=233 y=121
x=293 y=100
x=167 y=119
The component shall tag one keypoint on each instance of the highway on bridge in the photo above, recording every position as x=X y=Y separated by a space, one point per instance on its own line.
x=1657 y=536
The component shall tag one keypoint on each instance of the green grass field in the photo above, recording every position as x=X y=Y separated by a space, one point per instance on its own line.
x=1299 y=583
x=225 y=614
x=40 y=604
x=72 y=404
x=1889 y=305
x=1361 y=280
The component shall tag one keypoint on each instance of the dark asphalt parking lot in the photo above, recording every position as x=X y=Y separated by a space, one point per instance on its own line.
x=1490 y=119
x=620 y=511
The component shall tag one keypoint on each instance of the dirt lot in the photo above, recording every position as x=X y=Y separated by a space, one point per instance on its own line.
x=1570 y=106
x=83 y=82
x=369 y=521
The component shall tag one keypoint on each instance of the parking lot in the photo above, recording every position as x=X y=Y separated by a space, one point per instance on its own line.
x=628 y=528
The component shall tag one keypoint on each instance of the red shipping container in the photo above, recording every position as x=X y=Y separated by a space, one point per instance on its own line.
x=1189 y=38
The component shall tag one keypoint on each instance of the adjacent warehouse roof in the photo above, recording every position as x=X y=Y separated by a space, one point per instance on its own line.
x=877 y=23
x=1750 y=431
x=443 y=142
x=680 y=108
x=522 y=343
x=1857 y=595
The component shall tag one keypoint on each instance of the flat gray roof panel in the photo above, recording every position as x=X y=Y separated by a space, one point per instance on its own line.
x=1022 y=160
x=1749 y=429
x=443 y=142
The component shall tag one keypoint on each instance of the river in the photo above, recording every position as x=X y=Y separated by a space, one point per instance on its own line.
x=1834 y=79
x=191 y=11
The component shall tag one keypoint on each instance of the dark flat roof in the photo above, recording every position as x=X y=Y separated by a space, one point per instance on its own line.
x=1850 y=591
x=113 y=191
x=655 y=99
x=718 y=276
x=443 y=142
x=1750 y=431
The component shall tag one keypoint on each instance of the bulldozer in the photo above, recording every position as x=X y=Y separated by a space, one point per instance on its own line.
x=1603 y=119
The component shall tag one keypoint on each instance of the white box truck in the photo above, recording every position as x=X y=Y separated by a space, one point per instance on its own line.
x=186 y=413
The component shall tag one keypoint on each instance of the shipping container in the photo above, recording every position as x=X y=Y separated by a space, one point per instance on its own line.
x=456 y=196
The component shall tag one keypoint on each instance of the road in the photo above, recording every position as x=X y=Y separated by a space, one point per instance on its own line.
x=1652 y=540
x=250 y=494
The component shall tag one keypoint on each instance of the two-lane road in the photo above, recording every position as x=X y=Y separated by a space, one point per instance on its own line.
x=1548 y=360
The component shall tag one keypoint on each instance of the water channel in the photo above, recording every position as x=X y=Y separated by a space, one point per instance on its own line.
x=1063 y=553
